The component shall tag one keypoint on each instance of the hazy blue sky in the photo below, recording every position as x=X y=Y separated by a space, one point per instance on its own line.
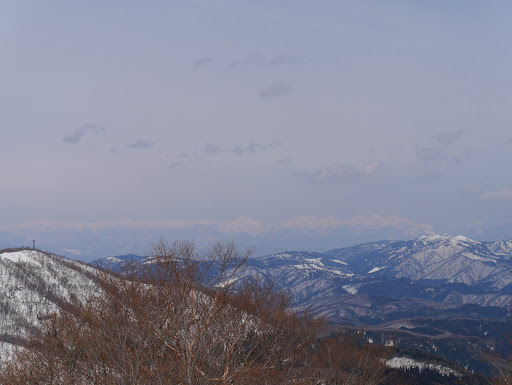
x=271 y=122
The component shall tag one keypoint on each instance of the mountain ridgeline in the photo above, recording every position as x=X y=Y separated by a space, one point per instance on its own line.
x=447 y=296
x=453 y=270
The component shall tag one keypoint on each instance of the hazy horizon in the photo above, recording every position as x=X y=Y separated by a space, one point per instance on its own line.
x=281 y=125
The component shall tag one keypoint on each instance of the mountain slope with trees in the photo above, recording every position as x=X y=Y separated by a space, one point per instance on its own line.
x=198 y=317
x=34 y=284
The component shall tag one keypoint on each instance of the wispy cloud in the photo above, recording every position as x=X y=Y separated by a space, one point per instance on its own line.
x=427 y=153
x=342 y=171
x=504 y=194
x=275 y=89
x=239 y=148
x=370 y=168
x=77 y=135
x=442 y=139
x=285 y=160
x=252 y=59
x=138 y=145
x=211 y=150
x=176 y=164
x=251 y=148
x=448 y=137
x=204 y=61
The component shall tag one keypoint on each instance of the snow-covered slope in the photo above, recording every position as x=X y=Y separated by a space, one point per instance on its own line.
x=439 y=268
x=305 y=274
x=409 y=363
x=34 y=283
x=444 y=259
x=453 y=270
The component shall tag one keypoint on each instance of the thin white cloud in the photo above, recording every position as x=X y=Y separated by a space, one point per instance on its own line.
x=138 y=145
x=212 y=149
x=342 y=171
x=251 y=148
x=504 y=194
x=370 y=168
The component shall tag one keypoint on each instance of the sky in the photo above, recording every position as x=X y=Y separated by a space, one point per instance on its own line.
x=283 y=125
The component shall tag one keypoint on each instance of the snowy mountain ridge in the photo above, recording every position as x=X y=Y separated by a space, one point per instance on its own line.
x=33 y=284
x=440 y=260
x=450 y=259
x=455 y=270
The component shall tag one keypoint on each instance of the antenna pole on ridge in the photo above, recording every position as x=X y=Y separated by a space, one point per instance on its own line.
x=33 y=243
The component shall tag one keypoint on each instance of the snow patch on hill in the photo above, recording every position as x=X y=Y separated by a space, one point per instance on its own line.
x=408 y=363
x=351 y=289
x=21 y=256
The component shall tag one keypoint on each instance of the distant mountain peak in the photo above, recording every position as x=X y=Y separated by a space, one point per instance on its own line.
x=462 y=238
x=430 y=238
x=116 y=263
x=458 y=239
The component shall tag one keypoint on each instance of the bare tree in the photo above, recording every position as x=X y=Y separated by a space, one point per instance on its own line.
x=180 y=319
x=340 y=360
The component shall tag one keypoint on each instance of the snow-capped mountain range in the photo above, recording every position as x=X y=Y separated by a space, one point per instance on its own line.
x=444 y=295
x=457 y=269
x=453 y=270
x=444 y=259
x=352 y=284
x=383 y=284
